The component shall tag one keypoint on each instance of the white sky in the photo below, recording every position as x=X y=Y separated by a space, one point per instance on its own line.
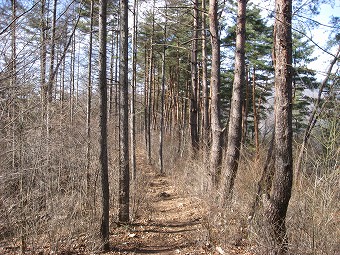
x=320 y=36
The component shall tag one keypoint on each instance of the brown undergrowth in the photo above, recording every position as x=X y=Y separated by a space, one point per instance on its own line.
x=177 y=213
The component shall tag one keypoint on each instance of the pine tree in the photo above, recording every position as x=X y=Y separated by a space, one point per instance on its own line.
x=216 y=132
x=103 y=125
x=276 y=203
x=235 y=119
x=124 y=169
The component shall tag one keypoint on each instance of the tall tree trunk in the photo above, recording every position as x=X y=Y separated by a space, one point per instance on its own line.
x=149 y=92
x=62 y=85
x=88 y=109
x=13 y=45
x=77 y=76
x=52 y=57
x=133 y=90
x=169 y=107
x=124 y=171
x=49 y=86
x=43 y=53
x=265 y=182
x=149 y=103
x=16 y=159
x=276 y=203
x=146 y=100
x=194 y=84
x=117 y=94
x=205 y=89
x=245 y=107
x=235 y=120
x=112 y=57
x=155 y=95
x=161 y=131
x=72 y=66
x=103 y=124
x=256 y=122
x=43 y=84
x=179 y=100
x=216 y=132
x=184 y=115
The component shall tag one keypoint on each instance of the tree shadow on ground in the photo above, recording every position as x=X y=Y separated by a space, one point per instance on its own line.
x=152 y=249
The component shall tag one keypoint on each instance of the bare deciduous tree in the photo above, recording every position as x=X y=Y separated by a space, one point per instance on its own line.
x=315 y=114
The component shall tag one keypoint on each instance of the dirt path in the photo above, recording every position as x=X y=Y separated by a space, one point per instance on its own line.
x=168 y=222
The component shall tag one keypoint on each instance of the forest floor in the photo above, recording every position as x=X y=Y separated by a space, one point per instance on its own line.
x=170 y=221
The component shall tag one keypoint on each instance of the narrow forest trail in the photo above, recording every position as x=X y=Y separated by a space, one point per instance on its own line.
x=168 y=222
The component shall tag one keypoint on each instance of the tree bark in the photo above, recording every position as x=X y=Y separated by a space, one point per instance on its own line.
x=133 y=90
x=149 y=92
x=276 y=203
x=149 y=102
x=16 y=158
x=13 y=45
x=216 y=132
x=161 y=131
x=43 y=53
x=124 y=177
x=117 y=94
x=146 y=100
x=72 y=80
x=265 y=182
x=235 y=120
x=205 y=89
x=88 y=108
x=103 y=124
x=245 y=107
x=112 y=58
x=256 y=124
x=155 y=95
x=52 y=57
x=62 y=85
x=194 y=84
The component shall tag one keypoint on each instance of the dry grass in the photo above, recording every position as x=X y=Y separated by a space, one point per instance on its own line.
x=44 y=202
x=313 y=217
x=313 y=214
x=45 y=206
x=221 y=228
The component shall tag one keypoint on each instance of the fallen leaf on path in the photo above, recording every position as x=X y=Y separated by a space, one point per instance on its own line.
x=220 y=250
